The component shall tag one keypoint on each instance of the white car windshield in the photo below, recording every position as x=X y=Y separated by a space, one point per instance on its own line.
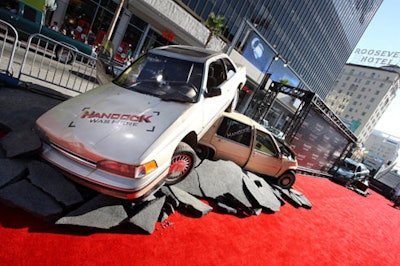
x=164 y=77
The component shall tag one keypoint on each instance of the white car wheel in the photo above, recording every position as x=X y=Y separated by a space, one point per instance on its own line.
x=181 y=163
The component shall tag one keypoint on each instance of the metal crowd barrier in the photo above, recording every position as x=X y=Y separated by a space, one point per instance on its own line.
x=56 y=65
x=8 y=47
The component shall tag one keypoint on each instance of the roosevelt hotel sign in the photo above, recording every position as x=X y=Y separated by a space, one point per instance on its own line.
x=374 y=57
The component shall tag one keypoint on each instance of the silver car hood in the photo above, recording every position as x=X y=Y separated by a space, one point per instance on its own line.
x=344 y=172
x=110 y=122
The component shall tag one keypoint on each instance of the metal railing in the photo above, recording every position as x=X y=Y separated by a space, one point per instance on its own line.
x=56 y=64
x=45 y=62
x=8 y=46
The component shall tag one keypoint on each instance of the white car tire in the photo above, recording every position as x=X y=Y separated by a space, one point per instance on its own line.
x=182 y=163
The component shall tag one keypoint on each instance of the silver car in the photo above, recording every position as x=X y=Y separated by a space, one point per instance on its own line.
x=349 y=171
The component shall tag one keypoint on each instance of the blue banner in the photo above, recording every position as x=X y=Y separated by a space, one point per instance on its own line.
x=259 y=53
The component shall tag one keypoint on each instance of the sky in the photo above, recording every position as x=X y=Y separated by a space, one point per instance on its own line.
x=383 y=33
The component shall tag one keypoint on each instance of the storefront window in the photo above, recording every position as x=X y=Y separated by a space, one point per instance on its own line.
x=88 y=21
x=154 y=40
x=128 y=45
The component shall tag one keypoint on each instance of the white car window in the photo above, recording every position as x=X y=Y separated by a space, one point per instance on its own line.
x=216 y=74
x=229 y=68
x=168 y=78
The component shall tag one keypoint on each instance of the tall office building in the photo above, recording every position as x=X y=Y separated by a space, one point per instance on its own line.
x=315 y=38
x=361 y=95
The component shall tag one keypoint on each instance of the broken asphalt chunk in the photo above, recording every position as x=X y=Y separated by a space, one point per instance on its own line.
x=191 y=184
x=191 y=203
x=223 y=208
x=261 y=192
x=54 y=183
x=290 y=197
x=305 y=203
x=170 y=196
x=241 y=208
x=220 y=177
x=148 y=216
x=23 y=142
x=102 y=212
x=26 y=196
x=11 y=171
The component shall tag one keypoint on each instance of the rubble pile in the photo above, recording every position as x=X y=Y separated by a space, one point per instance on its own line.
x=41 y=190
x=28 y=183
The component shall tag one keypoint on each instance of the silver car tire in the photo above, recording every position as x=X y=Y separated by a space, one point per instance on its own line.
x=182 y=162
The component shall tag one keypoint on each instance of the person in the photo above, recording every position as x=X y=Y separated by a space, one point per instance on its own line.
x=396 y=197
x=128 y=56
x=55 y=26
x=66 y=29
x=91 y=38
x=94 y=50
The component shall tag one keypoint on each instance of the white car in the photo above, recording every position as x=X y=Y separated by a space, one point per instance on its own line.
x=129 y=137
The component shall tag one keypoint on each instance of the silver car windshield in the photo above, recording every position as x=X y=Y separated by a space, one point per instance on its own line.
x=168 y=78
x=349 y=166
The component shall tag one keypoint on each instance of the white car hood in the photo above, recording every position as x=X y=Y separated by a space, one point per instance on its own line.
x=110 y=122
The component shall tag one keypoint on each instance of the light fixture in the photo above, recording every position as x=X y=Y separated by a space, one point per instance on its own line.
x=286 y=63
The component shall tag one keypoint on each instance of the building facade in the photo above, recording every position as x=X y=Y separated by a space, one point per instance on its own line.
x=314 y=38
x=361 y=95
x=383 y=145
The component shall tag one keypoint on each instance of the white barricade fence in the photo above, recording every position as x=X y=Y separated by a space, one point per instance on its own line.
x=57 y=65
x=8 y=47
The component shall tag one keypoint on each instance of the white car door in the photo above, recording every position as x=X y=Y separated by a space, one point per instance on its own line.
x=217 y=76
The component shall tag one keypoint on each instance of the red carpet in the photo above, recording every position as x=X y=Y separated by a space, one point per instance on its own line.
x=342 y=228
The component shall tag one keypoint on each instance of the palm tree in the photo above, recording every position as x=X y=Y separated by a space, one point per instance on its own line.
x=284 y=81
x=214 y=24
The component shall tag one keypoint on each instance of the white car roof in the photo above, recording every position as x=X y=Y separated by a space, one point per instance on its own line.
x=190 y=53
